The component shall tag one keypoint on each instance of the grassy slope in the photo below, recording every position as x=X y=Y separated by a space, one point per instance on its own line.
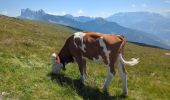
x=25 y=58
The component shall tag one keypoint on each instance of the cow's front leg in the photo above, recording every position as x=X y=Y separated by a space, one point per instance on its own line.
x=85 y=70
x=82 y=68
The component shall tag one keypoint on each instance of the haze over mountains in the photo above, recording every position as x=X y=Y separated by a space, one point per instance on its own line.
x=142 y=27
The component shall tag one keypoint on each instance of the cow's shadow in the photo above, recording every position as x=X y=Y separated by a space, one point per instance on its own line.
x=86 y=92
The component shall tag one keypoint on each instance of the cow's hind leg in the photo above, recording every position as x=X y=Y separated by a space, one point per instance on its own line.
x=111 y=73
x=122 y=74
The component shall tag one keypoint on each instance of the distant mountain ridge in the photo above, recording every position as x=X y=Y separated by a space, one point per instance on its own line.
x=153 y=23
x=29 y=14
x=94 y=24
x=79 y=18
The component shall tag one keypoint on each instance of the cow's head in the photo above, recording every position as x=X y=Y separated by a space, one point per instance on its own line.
x=56 y=63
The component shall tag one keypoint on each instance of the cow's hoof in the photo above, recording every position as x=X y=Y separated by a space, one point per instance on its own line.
x=105 y=92
x=83 y=79
x=124 y=94
x=104 y=89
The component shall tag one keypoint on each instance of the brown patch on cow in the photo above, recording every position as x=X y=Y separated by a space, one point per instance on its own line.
x=57 y=59
x=66 y=53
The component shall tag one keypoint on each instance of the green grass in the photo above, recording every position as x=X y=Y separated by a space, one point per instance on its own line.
x=25 y=65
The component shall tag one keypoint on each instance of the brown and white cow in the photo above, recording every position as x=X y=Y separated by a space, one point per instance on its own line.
x=106 y=48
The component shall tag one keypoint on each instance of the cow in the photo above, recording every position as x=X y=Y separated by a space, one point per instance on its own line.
x=106 y=48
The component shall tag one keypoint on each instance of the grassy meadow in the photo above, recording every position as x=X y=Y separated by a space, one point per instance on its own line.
x=25 y=66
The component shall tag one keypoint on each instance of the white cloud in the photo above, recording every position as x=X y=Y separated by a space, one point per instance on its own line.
x=144 y=5
x=4 y=12
x=133 y=5
x=141 y=5
x=80 y=11
x=60 y=13
x=63 y=13
x=53 y=13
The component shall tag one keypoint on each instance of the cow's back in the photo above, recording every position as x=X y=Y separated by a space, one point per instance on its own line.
x=93 y=45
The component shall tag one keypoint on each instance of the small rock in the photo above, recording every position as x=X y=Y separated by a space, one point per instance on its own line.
x=167 y=54
x=4 y=93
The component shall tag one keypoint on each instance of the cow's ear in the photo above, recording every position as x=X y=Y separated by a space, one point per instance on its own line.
x=57 y=59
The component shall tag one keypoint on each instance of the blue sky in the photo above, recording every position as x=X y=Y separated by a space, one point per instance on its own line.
x=95 y=8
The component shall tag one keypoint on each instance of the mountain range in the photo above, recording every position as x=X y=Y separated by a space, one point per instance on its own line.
x=153 y=23
x=108 y=25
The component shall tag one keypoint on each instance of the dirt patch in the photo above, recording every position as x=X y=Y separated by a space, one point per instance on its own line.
x=167 y=54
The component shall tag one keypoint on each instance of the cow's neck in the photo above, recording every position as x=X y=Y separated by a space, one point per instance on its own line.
x=65 y=55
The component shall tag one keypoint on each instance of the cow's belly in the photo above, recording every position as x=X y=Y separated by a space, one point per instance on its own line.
x=96 y=59
x=94 y=53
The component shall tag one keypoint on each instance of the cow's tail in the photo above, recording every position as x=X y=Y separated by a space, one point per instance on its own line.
x=133 y=61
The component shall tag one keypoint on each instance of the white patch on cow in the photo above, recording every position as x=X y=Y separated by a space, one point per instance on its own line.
x=118 y=35
x=122 y=75
x=80 y=35
x=83 y=47
x=74 y=59
x=85 y=58
x=75 y=43
x=107 y=52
